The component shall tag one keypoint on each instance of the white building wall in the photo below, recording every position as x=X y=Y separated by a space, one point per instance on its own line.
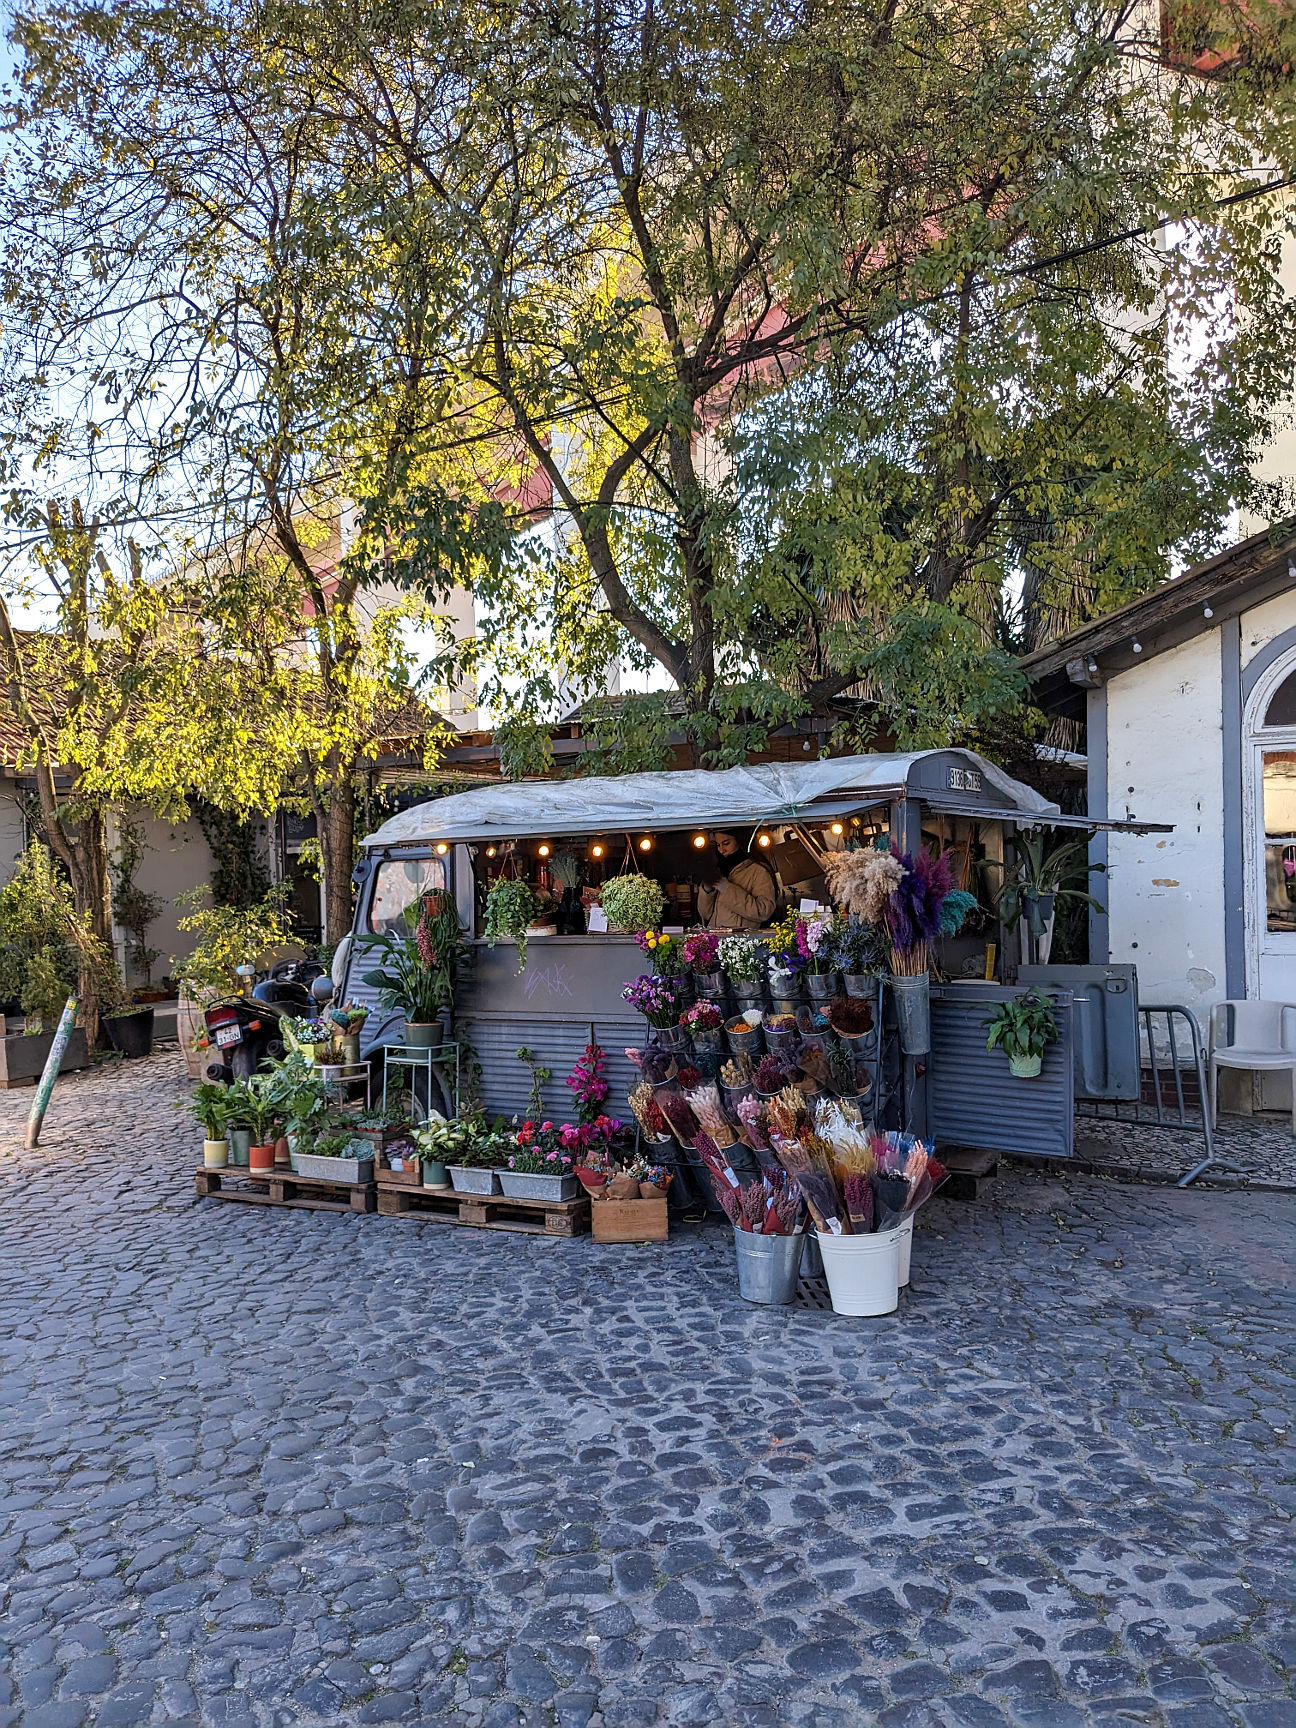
x=1165 y=892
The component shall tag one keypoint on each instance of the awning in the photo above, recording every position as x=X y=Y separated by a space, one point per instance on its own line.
x=956 y=807
x=744 y=796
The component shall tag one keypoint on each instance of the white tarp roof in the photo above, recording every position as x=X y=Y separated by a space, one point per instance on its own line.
x=768 y=792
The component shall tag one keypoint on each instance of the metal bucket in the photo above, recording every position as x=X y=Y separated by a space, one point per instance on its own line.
x=861 y=985
x=768 y=1266
x=913 y=1012
x=710 y=985
x=823 y=986
x=744 y=1043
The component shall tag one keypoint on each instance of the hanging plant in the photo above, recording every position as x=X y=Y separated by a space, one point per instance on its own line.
x=633 y=902
x=510 y=908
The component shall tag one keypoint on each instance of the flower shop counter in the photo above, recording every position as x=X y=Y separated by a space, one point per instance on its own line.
x=568 y=996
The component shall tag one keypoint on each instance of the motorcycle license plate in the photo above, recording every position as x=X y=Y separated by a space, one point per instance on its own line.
x=227 y=1035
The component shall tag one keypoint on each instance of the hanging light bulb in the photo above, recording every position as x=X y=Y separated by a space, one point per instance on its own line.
x=490 y=851
x=645 y=845
x=699 y=840
x=596 y=850
x=764 y=839
x=442 y=848
x=543 y=849
x=838 y=828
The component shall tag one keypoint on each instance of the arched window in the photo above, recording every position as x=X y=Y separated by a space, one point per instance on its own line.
x=1281 y=710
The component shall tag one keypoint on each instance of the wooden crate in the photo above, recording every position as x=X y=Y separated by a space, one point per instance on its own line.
x=630 y=1220
x=382 y=1138
x=284 y=1188
x=399 y=1178
x=487 y=1212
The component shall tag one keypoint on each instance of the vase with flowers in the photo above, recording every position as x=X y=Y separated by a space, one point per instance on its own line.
x=659 y=1000
x=704 y=1024
x=743 y=961
x=817 y=940
x=702 y=957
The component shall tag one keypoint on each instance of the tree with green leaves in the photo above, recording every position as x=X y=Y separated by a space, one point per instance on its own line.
x=768 y=349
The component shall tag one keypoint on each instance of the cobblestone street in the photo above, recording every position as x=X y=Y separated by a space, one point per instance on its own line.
x=271 y=1467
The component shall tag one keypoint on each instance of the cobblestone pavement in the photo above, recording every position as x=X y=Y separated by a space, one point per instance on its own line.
x=1261 y=1146
x=268 y=1467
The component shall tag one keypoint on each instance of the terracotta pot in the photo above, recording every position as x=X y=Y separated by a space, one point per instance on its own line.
x=261 y=1157
x=283 y=1153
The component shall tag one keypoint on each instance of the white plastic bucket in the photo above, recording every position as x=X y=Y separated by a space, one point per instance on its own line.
x=905 y=1234
x=863 y=1272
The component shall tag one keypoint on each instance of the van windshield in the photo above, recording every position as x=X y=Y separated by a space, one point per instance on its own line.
x=400 y=882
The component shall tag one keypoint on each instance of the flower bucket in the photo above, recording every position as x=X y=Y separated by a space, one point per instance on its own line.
x=240 y=1139
x=1025 y=1067
x=913 y=1012
x=863 y=1272
x=671 y=1037
x=784 y=983
x=860 y=985
x=812 y=1260
x=749 y=996
x=905 y=1233
x=823 y=986
x=466 y=1181
x=744 y=1043
x=710 y=985
x=712 y=1040
x=519 y=1185
x=419 y=1035
x=768 y=1266
x=734 y=1095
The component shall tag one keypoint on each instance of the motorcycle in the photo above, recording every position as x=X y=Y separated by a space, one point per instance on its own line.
x=245 y=1029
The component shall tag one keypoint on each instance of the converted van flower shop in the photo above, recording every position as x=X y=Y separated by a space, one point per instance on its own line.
x=768 y=993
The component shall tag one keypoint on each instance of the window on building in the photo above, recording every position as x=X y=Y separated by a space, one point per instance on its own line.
x=1280 y=836
x=400 y=883
x=1282 y=704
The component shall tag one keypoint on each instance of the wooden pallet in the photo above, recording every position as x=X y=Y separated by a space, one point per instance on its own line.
x=285 y=1188
x=971 y=1173
x=487 y=1212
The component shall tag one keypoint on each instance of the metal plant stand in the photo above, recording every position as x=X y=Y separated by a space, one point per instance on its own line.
x=344 y=1077
x=439 y=1067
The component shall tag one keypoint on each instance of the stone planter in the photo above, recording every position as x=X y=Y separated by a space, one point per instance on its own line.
x=23 y=1055
x=335 y=1169
x=132 y=1034
x=521 y=1185
x=468 y=1181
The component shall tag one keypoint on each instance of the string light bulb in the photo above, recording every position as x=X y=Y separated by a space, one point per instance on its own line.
x=764 y=839
x=596 y=850
x=699 y=840
x=838 y=828
x=442 y=848
x=645 y=845
x=543 y=848
x=490 y=851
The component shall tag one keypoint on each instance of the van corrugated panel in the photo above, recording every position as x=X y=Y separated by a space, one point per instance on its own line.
x=974 y=1100
x=506 y=1082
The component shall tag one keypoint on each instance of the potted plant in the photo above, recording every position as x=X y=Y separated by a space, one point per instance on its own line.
x=665 y=953
x=511 y=908
x=743 y=961
x=862 y=956
x=383 y=1127
x=419 y=967
x=1035 y=885
x=440 y=1143
x=702 y=957
x=659 y=1001
x=471 y=1159
x=569 y=917
x=538 y=1166
x=1023 y=1027
x=238 y=1127
x=301 y=1098
x=210 y=1106
x=261 y=1109
x=817 y=938
x=633 y=902
x=339 y=1155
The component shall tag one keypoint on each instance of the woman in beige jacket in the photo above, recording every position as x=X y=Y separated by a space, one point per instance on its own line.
x=745 y=893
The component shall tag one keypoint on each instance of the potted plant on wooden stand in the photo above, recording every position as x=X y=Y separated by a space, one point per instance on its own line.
x=1023 y=1027
x=210 y=1105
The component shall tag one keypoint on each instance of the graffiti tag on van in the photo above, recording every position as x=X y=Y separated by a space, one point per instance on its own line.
x=549 y=980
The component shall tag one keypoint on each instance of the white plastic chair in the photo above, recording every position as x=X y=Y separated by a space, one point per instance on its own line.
x=1255 y=1036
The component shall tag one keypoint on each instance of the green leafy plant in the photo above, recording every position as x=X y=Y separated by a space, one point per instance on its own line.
x=261 y=1108
x=228 y=937
x=633 y=902
x=540 y=1077
x=511 y=905
x=298 y=1092
x=1023 y=1026
x=210 y=1105
x=418 y=966
x=1039 y=872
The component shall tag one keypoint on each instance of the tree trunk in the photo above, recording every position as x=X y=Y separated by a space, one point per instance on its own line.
x=82 y=848
x=337 y=851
